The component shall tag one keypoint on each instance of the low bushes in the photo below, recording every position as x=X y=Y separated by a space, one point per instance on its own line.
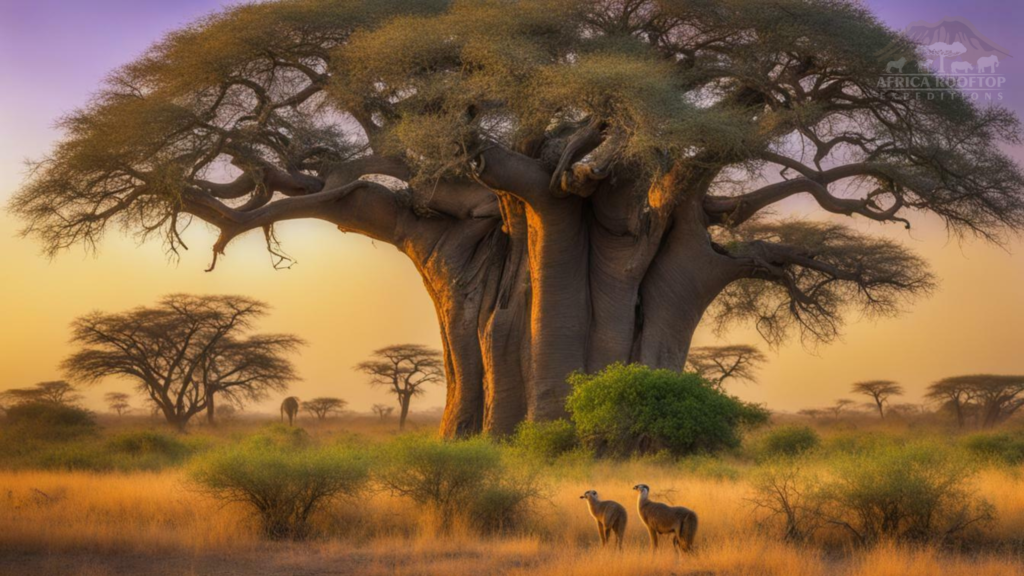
x=1005 y=448
x=789 y=441
x=909 y=492
x=283 y=486
x=468 y=478
x=49 y=422
x=634 y=409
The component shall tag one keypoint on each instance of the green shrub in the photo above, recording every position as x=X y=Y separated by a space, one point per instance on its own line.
x=280 y=436
x=47 y=421
x=634 y=409
x=789 y=441
x=148 y=442
x=547 y=440
x=458 y=478
x=999 y=447
x=919 y=491
x=284 y=487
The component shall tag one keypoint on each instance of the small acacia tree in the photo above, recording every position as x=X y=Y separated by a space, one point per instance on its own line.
x=383 y=411
x=118 y=402
x=57 y=392
x=184 y=352
x=404 y=369
x=716 y=364
x=995 y=397
x=840 y=406
x=323 y=407
x=879 y=391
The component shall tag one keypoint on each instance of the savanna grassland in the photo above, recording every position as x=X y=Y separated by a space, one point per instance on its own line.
x=128 y=499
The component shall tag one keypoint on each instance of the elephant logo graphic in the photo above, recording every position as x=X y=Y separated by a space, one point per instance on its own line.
x=897 y=64
x=960 y=67
x=989 y=62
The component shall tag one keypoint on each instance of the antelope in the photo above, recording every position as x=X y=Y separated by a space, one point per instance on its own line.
x=610 y=516
x=664 y=519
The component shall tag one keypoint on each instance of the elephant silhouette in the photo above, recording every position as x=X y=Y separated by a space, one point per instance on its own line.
x=956 y=67
x=897 y=64
x=988 y=62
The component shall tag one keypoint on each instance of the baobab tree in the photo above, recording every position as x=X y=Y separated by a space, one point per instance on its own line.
x=578 y=182
x=383 y=411
x=118 y=402
x=716 y=364
x=879 y=391
x=184 y=352
x=404 y=369
x=323 y=407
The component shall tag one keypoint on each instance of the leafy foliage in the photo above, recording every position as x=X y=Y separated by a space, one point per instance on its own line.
x=789 y=441
x=546 y=440
x=625 y=409
x=283 y=487
x=457 y=478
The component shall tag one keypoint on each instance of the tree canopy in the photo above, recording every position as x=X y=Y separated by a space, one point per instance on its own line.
x=585 y=178
x=185 y=352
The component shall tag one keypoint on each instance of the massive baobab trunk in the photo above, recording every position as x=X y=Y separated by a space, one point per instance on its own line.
x=533 y=290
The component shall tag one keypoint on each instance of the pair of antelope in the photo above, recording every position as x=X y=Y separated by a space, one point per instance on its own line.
x=657 y=517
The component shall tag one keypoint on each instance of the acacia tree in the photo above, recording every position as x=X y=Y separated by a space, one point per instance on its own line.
x=716 y=364
x=404 y=369
x=324 y=407
x=840 y=406
x=118 y=402
x=52 y=392
x=184 y=352
x=994 y=397
x=879 y=391
x=383 y=411
x=955 y=393
x=578 y=182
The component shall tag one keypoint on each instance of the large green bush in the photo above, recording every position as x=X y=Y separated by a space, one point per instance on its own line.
x=634 y=409
x=283 y=486
x=789 y=441
x=463 y=478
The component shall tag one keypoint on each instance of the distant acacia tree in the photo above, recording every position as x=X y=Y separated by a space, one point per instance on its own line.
x=879 y=391
x=382 y=410
x=324 y=407
x=118 y=402
x=404 y=369
x=996 y=397
x=812 y=413
x=957 y=394
x=840 y=406
x=578 y=183
x=716 y=364
x=184 y=352
x=52 y=392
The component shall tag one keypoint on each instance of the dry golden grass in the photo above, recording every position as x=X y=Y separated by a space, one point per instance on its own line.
x=154 y=523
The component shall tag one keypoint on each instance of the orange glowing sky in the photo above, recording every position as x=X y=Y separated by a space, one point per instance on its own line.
x=348 y=296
